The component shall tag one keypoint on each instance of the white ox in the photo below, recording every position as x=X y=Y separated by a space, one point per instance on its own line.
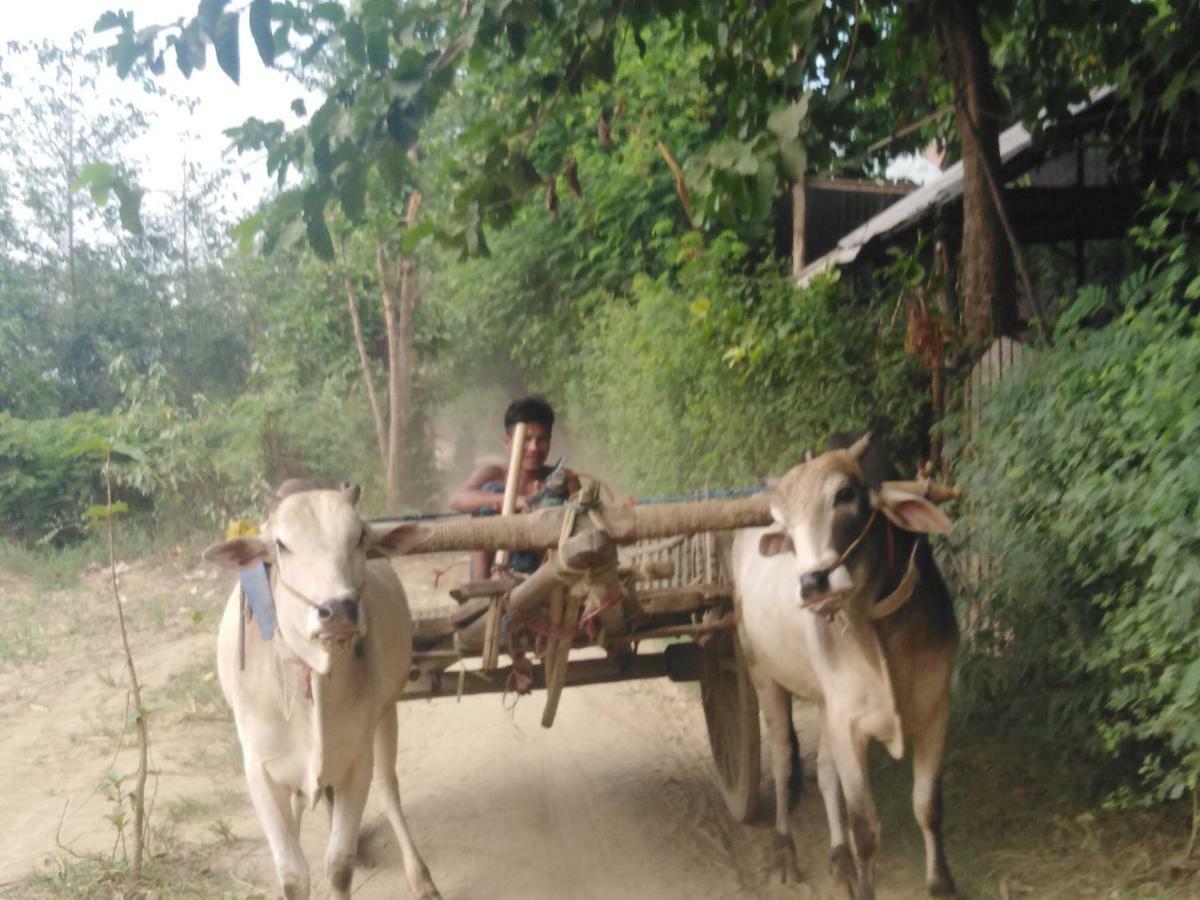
x=841 y=603
x=315 y=704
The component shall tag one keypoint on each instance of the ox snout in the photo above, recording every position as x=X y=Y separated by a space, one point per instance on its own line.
x=821 y=591
x=338 y=619
x=812 y=584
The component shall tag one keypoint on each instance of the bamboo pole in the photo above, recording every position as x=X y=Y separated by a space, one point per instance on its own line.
x=517 y=450
x=491 y=633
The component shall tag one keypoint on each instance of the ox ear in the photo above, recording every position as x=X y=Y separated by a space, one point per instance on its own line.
x=351 y=492
x=237 y=553
x=395 y=540
x=772 y=543
x=912 y=512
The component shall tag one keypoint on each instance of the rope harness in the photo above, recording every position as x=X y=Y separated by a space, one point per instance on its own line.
x=520 y=678
x=903 y=592
x=258 y=603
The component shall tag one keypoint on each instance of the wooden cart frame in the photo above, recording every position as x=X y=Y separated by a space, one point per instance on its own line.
x=660 y=607
x=669 y=582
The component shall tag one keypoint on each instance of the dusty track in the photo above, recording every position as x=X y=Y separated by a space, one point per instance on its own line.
x=617 y=800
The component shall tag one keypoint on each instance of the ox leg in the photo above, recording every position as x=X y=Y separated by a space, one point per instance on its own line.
x=273 y=804
x=345 y=817
x=850 y=758
x=841 y=862
x=419 y=879
x=299 y=805
x=928 y=746
x=776 y=706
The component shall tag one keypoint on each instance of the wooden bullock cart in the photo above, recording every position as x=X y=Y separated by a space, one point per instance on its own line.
x=644 y=587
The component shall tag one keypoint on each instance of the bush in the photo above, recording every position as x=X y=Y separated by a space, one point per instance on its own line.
x=45 y=481
x=214 y=462
x=1087 y=480
x=721 y=374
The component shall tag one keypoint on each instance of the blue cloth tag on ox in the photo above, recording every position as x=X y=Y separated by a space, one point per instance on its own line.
x=257 y=588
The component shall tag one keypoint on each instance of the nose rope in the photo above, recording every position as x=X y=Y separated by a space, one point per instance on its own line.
x=904 y=590
x=300 y=594
x=854 y=544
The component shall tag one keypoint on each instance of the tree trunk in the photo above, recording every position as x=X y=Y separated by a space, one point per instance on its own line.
x=988 y=285
x=799 y=212
x=401 y=298
x=364 y=359
x=397 y=400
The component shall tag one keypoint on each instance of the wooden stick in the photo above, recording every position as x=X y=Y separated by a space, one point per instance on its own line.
x=680 y=662
x=517 y=451
x=587 y=550
x=489 y=588
x=649 y=570
x=556 y=678
x=491 y=632
x=723 y=624
x=682 y=598
x=555 y=617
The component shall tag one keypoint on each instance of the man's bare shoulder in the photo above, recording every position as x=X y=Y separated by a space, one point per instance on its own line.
x=486 y=473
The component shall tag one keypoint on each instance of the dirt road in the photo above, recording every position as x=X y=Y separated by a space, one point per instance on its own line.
x=617 y=800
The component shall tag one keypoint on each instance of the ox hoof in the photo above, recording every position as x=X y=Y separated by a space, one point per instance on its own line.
x=841 y=866
x=423 y=888
x=943 y=887
x=786 y=867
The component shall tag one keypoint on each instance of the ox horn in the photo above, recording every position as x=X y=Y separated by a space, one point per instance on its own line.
x=859 y=447
x=351 y=492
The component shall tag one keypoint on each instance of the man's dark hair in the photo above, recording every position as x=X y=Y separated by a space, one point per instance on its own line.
x=529 y=409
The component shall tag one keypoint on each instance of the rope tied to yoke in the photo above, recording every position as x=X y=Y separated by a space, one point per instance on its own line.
x=591 y=577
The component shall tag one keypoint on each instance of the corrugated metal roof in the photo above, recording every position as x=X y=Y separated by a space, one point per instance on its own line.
x=933 y=194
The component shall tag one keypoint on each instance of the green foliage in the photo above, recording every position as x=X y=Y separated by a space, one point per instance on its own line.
x=1087 y=484
x=46 y=482
x=217 y=461
x=717 y=374
x=388 y=67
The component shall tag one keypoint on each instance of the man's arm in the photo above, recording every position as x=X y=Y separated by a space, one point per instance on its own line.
x=470 y=498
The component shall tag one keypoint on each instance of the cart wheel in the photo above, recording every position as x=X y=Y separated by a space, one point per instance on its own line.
x=731 y=713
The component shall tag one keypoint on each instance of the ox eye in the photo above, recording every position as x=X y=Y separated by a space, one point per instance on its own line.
x=283 y=548
x=847 y=494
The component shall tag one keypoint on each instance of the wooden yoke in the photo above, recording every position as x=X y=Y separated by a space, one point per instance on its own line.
x=627 y=524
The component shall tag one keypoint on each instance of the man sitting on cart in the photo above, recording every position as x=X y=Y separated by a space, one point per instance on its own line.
x=538 y=483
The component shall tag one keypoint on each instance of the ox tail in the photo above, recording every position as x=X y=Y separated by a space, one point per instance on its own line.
x=796 y=770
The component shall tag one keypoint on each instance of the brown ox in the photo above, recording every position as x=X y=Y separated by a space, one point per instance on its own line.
x=841 y=603
x=315 y=702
